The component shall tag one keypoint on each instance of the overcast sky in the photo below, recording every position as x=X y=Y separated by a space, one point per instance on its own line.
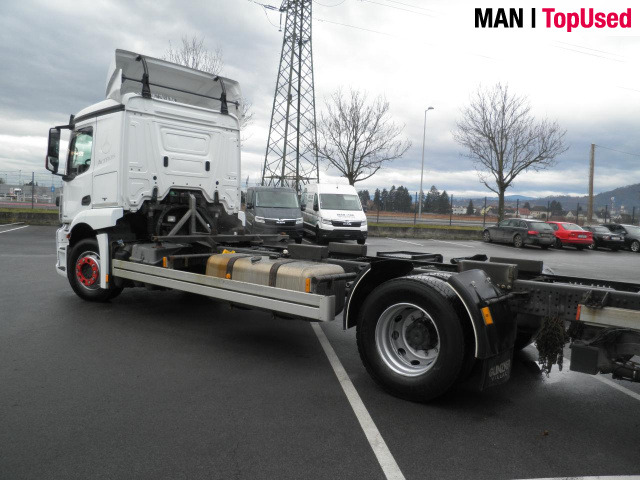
x=417 y=53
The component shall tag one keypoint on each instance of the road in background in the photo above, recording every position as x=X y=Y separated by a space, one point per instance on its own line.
x=163 y=384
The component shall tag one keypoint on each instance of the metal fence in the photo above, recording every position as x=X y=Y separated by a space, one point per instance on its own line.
x=28 y=189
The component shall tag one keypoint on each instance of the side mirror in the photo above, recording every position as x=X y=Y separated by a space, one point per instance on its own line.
x=53 y=151
x=315 y=207
x=249 y=206
x=57 y=201
x=303 y=207
x=364 y=209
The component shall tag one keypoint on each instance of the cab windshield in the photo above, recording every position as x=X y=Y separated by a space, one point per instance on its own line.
x=339 y=201
x=276 y=199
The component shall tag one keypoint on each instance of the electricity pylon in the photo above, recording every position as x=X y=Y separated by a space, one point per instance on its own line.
x=291 y=158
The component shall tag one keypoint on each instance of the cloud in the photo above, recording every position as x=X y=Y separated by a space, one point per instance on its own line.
x=55 y=55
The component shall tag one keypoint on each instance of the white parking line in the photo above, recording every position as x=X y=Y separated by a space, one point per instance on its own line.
x=618 y=387
x=378 y=445
x=12 y=229
x=405 y=241
x=454 y=243
x=9 y=224
x=607 y=477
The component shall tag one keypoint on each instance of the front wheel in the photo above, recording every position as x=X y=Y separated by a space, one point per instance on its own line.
x=83 y=273
x=410 y=339
x=558 y=243
x=486 y=236
x=635 y=246
x=593 y=246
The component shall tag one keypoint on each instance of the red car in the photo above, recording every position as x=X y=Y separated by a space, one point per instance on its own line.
x=571 y=234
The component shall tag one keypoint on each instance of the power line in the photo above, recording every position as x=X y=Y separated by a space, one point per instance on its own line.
x=329 y=6
x=590 y=54
x=397 y=8
x=412 y=6
x=587 y=48
x=357 y=28
x=619 y=151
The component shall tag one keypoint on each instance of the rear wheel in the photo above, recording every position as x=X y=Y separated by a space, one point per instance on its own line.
x=410 y=339
x=517 y=241
x=486 y=236
x=635 y=246
x=84 y=273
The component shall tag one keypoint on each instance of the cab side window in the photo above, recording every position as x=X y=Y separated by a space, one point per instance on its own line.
x=303 y=198
x=80 y=146
x=315 y=201
x=503 y=223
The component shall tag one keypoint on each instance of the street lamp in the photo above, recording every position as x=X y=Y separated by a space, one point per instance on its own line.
x=424 y=135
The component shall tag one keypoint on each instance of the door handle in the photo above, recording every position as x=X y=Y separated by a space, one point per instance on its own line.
x=86 y=200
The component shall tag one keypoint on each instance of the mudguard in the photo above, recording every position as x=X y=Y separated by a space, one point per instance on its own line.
x=367 y=280
x=476 y=291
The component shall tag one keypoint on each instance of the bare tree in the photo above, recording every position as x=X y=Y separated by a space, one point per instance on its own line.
x=193 y=53
x=504 y=139
x=357 y=137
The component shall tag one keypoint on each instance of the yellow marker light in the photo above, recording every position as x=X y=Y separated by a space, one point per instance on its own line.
x=107 y=278
x=228 y=275
x=164 y=262
x=486 y=314
x=225 y=251
x=307 y=285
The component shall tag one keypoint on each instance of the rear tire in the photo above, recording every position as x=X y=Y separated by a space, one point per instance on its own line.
x=518 y=242
x=635 y=246
x=83 y=273
x=410 y=339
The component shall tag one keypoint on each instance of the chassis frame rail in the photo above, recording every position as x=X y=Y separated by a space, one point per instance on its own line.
x=303 y=305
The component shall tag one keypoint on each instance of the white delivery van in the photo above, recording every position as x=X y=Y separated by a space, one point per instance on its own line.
x=333 y=212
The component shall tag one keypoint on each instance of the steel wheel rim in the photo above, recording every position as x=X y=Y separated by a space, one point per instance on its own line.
x=87 y=270
x=407 y=339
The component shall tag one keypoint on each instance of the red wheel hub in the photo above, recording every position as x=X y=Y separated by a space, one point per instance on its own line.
x=87 y=271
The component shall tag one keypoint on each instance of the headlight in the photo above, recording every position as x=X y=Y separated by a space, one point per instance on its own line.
x=299 y=221
x=326 y=221
x=259 y=219
x=364 y=223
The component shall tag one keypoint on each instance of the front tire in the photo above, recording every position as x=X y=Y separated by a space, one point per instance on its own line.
x=558 y=243
x=486 y=236
x=83 y=272
x=635 y=246
x=410 y=339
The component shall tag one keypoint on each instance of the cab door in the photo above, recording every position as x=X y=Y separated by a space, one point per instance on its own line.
x=78 y=180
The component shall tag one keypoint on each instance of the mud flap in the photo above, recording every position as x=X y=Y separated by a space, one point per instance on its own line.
x=496 y=370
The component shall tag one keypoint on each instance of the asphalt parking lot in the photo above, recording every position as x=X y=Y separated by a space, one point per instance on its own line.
x=169 y=385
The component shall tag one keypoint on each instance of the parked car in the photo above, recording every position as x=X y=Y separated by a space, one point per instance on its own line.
x=333 y=212
x=570 y=234
x=629 y=233
x=604 y=238
x=520 y=232
x=274 y=210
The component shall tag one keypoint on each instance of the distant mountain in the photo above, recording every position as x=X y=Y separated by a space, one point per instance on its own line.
x=628 y=196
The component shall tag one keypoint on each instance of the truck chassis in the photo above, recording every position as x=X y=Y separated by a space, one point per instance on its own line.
x=423 y=326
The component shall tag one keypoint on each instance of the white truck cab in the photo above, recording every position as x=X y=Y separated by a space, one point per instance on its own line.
x=160 y=155
x=333 y=212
